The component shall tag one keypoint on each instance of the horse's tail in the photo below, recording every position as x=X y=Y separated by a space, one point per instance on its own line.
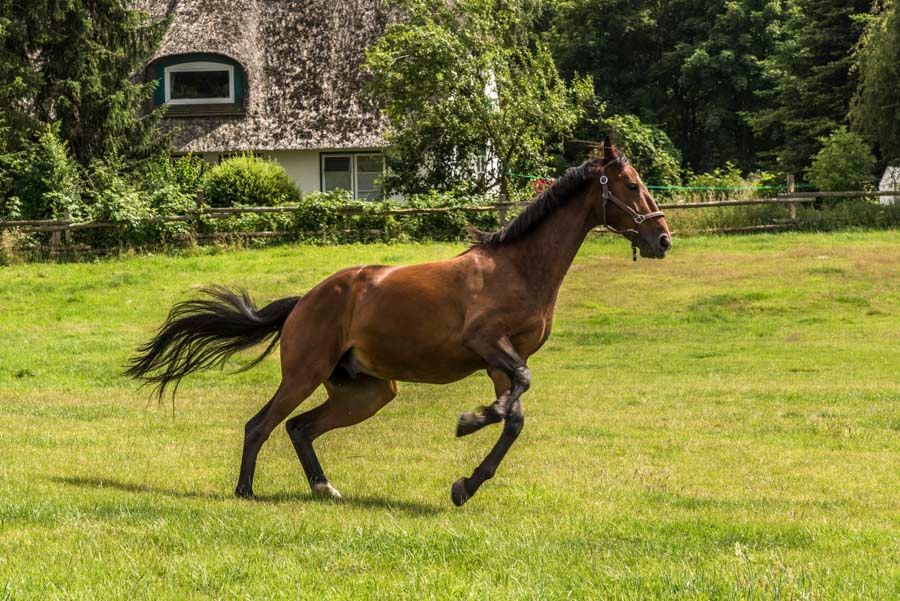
x=203 y=333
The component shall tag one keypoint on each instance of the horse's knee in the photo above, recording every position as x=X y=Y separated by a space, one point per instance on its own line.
x=515 y=421
x=522 y=378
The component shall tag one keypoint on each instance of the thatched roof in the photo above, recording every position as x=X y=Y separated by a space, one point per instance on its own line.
x=302 y=61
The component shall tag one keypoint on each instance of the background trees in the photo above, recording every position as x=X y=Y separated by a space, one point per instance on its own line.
x=876 y=107
x=73 y=63
x=471 y=94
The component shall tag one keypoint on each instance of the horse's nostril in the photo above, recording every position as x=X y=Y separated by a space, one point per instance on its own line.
x=665 y=242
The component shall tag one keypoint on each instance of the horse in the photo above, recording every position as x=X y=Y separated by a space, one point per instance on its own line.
x=365 y=328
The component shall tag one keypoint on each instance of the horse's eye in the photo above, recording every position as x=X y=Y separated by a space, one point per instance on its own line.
x=633 y=187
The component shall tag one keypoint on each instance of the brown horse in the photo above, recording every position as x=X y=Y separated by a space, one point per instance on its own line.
x=365 y=328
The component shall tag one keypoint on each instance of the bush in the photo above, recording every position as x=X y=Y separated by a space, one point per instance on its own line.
x=248 y=180
x=46 y=182
x=845 y=163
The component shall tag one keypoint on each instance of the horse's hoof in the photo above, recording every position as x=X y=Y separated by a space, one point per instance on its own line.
x=458 y=492
x=325 y=490
x=467 y=423
x=243 y=493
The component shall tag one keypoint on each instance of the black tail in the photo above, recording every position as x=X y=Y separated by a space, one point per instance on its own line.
x=204 y=333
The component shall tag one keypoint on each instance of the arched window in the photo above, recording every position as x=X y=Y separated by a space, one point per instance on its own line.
x=199 y=83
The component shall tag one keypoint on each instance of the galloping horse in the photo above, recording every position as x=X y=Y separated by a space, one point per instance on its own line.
x=365 y=328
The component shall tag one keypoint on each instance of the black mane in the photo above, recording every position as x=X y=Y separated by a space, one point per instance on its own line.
x=557 y=195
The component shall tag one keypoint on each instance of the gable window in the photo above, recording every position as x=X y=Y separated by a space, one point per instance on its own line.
x=199 y=83
x=358 y=173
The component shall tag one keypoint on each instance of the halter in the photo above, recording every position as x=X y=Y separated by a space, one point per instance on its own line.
x=638 y=218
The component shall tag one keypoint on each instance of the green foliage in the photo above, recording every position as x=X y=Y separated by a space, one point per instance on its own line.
x=248 y=180
x=471 y=93
x=690 y=67
x=876 y=109
x=812 y=81
x=845 y=162
x=173 y=184
x=44 y=181
x=73 y=62
x=648 y=148
x=324 y=218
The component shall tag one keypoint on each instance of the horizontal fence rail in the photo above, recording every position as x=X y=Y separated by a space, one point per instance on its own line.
x=62 y=225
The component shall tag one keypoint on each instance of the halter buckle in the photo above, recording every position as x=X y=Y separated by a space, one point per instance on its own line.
x=639 y=219
x=604 y=180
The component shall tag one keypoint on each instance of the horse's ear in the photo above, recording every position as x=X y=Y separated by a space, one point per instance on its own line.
x=607 y=150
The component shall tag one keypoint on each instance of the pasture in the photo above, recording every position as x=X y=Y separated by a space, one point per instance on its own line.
x=721 y=424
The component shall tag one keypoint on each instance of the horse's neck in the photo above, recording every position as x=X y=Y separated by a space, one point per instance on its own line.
x=545 y=255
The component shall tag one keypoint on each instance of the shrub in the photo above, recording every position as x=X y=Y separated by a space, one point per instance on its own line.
x=249 y=181
x=845 y=163
x=47 y=181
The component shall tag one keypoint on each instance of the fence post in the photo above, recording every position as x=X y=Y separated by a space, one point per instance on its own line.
x=502 y=209
x=792 y=206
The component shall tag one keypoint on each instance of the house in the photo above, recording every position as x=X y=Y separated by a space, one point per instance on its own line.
x=278 y=78
x=890 y=181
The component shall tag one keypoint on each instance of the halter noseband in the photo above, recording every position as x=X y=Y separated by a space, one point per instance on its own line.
x=638 y=218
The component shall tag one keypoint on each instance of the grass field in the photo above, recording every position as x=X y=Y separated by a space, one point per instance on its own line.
x=721 y=424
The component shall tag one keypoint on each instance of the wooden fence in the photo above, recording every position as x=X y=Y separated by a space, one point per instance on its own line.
x=57 y=227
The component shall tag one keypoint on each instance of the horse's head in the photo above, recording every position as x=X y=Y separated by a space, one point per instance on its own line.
x=625 y=206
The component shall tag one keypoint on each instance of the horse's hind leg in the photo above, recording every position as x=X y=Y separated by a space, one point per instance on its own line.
x=289 y=395
x=350 y=401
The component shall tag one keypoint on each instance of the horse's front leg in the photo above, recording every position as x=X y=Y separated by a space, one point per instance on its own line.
x=506 y=366
x=473 y=421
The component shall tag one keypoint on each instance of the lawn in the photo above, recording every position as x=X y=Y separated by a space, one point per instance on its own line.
x=721 y=424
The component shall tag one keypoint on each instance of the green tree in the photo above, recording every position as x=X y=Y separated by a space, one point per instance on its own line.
x=73 y=63
x=648 y=148
x=690 y=67
x=876 y=107
x=470 y=94
x=812 y=82
x=845 y=162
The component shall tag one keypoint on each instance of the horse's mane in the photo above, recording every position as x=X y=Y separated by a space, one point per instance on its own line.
x=541 y=206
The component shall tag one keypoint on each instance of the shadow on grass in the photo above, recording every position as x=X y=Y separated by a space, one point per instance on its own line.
x=364 y=502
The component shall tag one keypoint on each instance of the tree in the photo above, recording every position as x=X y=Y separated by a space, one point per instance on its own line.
x=690 y=67
x=845 y=162
x=812 y=82
x=471 y=94
x=875 y=111
x=73 y=63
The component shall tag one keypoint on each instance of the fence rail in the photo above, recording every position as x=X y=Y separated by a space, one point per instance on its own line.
x=62 y=225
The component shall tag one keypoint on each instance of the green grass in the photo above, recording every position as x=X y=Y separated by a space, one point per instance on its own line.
x=721 y=424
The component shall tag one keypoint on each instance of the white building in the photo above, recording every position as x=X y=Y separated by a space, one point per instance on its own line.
x=890 y=181
x=279 y=78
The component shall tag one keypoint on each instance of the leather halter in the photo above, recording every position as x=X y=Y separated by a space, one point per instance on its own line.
x=638 y=218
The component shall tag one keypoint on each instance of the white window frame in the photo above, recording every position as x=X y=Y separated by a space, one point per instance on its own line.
x=198 y=66
x=356 y=173
x=354 y=183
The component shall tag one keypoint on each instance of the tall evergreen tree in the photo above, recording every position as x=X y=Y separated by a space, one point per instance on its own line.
x=812 y=79
x=73 y=63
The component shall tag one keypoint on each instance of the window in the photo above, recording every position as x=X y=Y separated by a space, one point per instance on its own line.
x=337 y=174
x=369 y=169
x=357 y=173
x=199 y=83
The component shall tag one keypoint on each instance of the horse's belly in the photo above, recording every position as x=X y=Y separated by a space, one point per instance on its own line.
x=431 y=366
